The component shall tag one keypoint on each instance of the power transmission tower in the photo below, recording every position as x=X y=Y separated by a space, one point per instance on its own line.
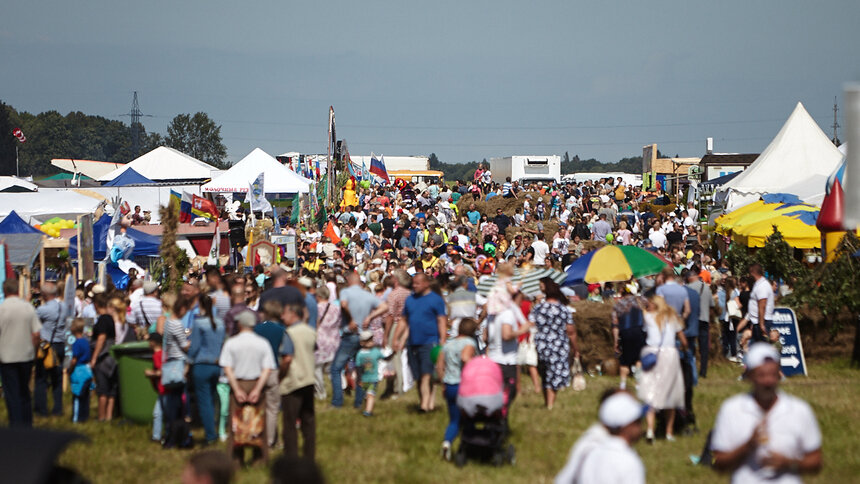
x=136 y=127
x=835 y=126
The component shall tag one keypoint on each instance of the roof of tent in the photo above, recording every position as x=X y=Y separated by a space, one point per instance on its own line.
x=166 y=164
x=129 y=177
x=144 y=244
x=45 y=204
x=277 y=179
x=798 y=153
x=14 y=224
x=719 y=181
x=16 y=185
x=66 y=176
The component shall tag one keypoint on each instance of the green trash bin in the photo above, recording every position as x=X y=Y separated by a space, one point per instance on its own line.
x=136 y=394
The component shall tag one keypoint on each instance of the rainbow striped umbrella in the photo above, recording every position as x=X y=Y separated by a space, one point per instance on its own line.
x=613 y=263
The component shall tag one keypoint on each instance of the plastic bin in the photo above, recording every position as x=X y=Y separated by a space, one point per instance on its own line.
x=136 y=394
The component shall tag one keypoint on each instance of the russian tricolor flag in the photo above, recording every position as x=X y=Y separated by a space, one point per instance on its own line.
x=377 y=167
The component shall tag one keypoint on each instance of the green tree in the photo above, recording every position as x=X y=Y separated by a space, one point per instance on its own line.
x=7 y=142
x=777 y=258
x=197 y=136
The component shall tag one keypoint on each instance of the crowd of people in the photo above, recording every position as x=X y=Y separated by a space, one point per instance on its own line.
x=384 y=297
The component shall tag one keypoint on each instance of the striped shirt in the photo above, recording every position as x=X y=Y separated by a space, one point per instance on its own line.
x=145 y=312
x=506 y=188
x=174 y=339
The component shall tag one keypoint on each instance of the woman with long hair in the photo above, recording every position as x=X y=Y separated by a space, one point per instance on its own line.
x=662 y=386
x=207 y=337
x=554 y=340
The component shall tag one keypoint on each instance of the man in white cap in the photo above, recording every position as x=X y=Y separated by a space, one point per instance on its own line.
x=604 y=453
x=766 y=435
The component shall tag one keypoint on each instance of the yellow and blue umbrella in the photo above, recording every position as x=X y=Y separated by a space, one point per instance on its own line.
x=797 y=228
x=613 y=263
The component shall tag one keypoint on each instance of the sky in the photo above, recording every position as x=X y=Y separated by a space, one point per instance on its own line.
x=464 y=79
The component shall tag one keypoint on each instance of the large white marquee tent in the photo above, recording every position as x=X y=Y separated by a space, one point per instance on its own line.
x=277 y=178
x=166 y=165
x=797 y=161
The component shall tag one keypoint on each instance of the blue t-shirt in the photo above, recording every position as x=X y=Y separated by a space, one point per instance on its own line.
x=274 y=334
x=474 y=216
x=81 y=351
x=367 y=361
x=675 y=295
x=421 y=315
x=311 y=303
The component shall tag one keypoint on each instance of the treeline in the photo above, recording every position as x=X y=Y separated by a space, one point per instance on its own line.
x=464 y=171
x=85 y=137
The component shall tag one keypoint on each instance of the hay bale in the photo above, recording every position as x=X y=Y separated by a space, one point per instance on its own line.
x=509 y=207
x=593 y=331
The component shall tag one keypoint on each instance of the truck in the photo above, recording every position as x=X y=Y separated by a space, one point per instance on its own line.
x=526 y=168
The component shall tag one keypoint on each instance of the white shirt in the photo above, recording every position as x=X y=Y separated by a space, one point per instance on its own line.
x=792 y=431
x=693 y=213
x=655 y=337
x=247 y=354
x=658 y=239
x=560 y=245
x=487 y=176
x=761 y=290
x=602 y=458
x=502 y=352
x=541 y=250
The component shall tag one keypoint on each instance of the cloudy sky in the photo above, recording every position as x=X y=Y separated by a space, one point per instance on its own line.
x=463 y=79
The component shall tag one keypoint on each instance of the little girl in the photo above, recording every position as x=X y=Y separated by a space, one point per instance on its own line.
x=81 y=377
x=449 y=365
x=367 y=362
x=540 y=209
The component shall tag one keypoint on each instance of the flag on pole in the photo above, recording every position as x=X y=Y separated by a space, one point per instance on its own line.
x=258 y=196
x=332 y=232
x=332 y=135
x=365 y=174
x=377 y=167
x=185 y=208
x=216 y=246
x=203 y=207
x=19 y=134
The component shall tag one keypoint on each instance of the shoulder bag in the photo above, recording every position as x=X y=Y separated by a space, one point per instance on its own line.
x=649 y=358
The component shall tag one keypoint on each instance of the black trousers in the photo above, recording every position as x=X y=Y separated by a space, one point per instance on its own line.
x=299 y=405
x=16 y=392
x=49 y=378
x=704 y=347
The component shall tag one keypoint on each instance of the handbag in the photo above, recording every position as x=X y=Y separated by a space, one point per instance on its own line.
x=173 y=373
x=733 y=309
x=45 y=352
x=649 y=358
x=578 y=375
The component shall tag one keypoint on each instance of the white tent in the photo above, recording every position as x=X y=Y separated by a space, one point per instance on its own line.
x=796 y=162
x=90 y=168
x=15 y=184
x=43 y=205
x=165 y=164
x=277 y=178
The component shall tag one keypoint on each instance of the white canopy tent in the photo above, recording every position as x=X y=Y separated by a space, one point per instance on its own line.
x=45 y=204
x=149 y=197
x=15 y=184
x=277 y=179
x=90 y=168
x=165 y=164
x=797 y=161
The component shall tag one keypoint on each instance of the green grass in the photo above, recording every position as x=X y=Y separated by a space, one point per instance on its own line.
x=398 y=445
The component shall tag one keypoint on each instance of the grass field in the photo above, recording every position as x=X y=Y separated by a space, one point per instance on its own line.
x=399 y=445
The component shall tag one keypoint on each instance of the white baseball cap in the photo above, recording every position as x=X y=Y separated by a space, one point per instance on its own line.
x=620 y=410
x=758 y=354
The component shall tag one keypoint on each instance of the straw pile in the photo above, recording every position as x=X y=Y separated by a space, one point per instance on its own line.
x=509 y=206
x=593 y=332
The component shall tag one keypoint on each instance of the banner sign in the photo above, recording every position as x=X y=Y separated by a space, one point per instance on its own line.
x=792 y=360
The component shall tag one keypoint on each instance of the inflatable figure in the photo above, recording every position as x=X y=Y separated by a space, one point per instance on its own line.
x=349 y=198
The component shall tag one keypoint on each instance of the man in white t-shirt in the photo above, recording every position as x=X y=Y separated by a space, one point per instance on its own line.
x=657 y=237
x=604 y=453
x=761 y=303
x=541 y=250
x=766 y=435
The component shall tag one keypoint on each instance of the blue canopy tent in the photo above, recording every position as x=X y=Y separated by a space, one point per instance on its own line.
x=14 y=224
x=144 y=244
x=23 y=241
x=719 y=181
x=129 y=177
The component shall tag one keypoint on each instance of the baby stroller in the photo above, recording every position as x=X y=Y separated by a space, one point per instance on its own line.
x=483 y=414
